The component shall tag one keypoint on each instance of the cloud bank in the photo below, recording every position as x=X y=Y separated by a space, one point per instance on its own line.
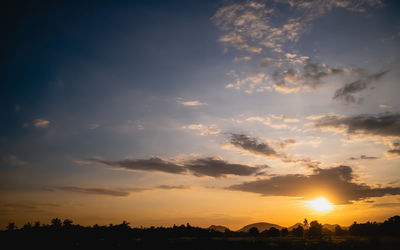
x=209 y=166
x=337 y=183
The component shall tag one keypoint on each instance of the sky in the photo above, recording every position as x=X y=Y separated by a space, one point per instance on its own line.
x=206 y=112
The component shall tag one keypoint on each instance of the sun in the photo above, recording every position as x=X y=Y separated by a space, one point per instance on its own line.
x=321 y=204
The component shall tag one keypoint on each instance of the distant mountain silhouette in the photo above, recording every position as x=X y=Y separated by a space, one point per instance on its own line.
x=261 y=226
x=218 y=228
x=331 y=227
x=296 y=226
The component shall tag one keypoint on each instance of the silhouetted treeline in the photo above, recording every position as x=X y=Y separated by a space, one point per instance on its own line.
x=66 y=235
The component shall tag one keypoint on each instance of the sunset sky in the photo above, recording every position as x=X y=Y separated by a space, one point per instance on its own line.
x=207 y=112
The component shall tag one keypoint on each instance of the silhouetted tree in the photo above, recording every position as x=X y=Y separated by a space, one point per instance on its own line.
x=56 y=223
x=391 y=226
x=11 y=226
x=36 y=225
x=305 y=222
x=298 y=231
x=315 y=230
x=253 y=231
x=339 y=231
x=284 y=232
x=27 y=226
x=274 y=232
x=67 y=223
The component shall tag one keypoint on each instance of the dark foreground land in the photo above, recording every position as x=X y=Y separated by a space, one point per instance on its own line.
x=65 y=235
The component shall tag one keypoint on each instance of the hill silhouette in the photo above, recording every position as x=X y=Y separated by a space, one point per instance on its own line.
x=218 y=228
x=261 y=226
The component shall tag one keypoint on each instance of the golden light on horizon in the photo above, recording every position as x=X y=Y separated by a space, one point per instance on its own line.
x=321 y=204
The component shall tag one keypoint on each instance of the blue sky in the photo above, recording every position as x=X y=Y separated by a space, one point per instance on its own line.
x=104 y=96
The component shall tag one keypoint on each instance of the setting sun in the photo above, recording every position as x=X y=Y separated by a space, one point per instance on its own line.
x=321 y=204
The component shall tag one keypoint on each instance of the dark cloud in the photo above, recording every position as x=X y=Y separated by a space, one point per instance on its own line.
x=251 y=145
x=395 y=149
x=346 y=93
x=310 y=76
x=384 y=124
x=387 y=204
x=208 y=166
x=363 y=157
x=99 y=191
x=337 y=184
x=153 y=164
x=171 y=187
x=220 y=168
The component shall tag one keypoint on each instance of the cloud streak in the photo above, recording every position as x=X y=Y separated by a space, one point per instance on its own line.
x=209 y=166
x=336 y=183
x=346 y=93
x=378 y=125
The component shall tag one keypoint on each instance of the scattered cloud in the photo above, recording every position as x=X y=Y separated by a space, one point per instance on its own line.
x=154 y=164
x=190 y=103
x=204 y=129
x=251 y=145
x=275 y=121
x=209 y=166
x=346 y=93
x=337 y=183
x=215 y=167
x=97 y=191
x=394 y=149
x=385 y=106
x=382 y=205
x=363 y=157
x=171 y=187
x=41 y=123
x=379 y=125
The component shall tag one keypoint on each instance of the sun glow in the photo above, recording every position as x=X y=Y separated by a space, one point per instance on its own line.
x=321 y=204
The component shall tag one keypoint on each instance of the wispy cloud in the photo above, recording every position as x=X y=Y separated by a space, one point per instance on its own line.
x=337 y=183
x=208 y=166
x=346 y=93
x=41 y=123
x=378 y=125
x=363 y=157
x=204 y=129
x=97 y=191
x=394 y=149
x=190 y=103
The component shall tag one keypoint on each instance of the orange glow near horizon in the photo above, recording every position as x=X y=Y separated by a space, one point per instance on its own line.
x=321 y=204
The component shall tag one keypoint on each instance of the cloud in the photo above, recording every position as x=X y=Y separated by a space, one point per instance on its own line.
x=209 y=166
x=171 y=187
x=363 y=157
x=385 y=106
x=275 y=121
x=395 y=149
x=379 y=125
x=215 y=167
x=190 y=103
x=97 y=191
x=269 y=28
x=336 y=183
x=386 y=205
x=251 y=145
x=154 y=164
x=346 y=93
x=204 y=129
x=41 y=123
